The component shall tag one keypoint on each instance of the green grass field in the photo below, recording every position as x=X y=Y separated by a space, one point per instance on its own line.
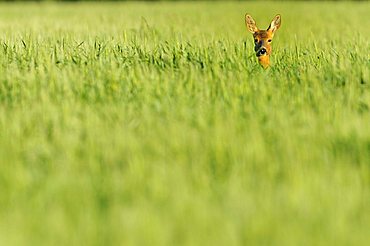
x=153 y=124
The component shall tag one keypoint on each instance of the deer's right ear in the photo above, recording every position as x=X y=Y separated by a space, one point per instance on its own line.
x=250 y=23
x=275 y=24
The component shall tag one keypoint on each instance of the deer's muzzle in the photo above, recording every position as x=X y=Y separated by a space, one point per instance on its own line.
x=261 y=51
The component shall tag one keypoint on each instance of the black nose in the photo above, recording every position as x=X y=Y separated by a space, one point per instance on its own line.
x=261 y=52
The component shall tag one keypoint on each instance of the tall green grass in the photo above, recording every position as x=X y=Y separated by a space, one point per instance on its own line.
x=153 y=124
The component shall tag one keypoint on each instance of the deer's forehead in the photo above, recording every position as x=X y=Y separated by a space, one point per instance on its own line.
x=262 y=34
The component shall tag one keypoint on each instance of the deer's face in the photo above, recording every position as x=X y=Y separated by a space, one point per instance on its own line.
x=263 y=38
x=262 y=43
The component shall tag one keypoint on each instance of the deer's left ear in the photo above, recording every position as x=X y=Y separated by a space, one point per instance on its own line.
x=275 y=24
x=250 y=23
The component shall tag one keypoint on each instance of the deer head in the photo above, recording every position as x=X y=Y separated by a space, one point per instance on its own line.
x=263 y=38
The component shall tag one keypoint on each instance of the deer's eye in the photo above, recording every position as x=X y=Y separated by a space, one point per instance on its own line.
x=269 y=40
x=256 y=40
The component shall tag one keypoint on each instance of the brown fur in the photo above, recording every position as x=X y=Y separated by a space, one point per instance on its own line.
x=263 y=38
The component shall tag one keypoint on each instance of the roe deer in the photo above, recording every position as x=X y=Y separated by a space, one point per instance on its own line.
x=263 y=38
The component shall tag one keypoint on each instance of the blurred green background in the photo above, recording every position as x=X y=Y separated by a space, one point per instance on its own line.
x=162 y=0
x=152 y=124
